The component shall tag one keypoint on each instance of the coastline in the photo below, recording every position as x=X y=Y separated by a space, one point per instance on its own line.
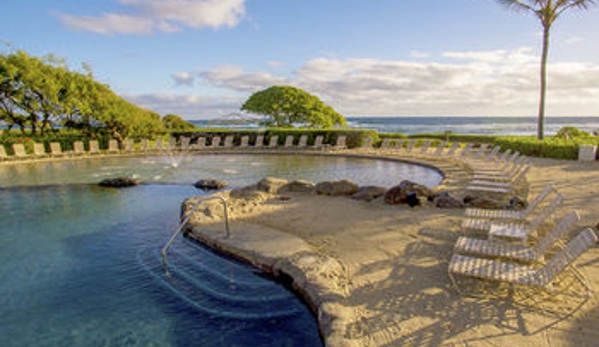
x=376 y=275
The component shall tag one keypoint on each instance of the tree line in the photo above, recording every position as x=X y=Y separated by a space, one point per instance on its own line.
x=38 y=95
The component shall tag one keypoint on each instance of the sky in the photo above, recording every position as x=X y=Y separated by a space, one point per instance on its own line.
x=201 y=59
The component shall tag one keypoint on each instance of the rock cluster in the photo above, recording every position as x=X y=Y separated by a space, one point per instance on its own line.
x=210 y=184
x=119 y=182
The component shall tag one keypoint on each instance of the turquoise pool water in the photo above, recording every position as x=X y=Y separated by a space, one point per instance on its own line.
x=79 y=264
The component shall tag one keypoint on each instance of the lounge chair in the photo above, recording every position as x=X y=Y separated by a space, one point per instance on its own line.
x=399 y=143
x=452 y=150
x=172 y=144
x=56 y=149
x=508 y=176
x=78 y=148
x=129 y=145
x=502 y=181
x=289 y=141
x=514 y=160
x=510 y=214
x=493 y=153
x=184 y=143
x=39 y=150
x=480 y=151
x=19 y=151
x=259 y=141
x=215 y=142
x=491 y=248
x=439 y=151
x=273 y=142
x=367 y=144
x=318 y=142
x=386 y=144
x=466 y=150
x=425 y=146
x=3 y=154
x=518 y=274
x=245 y=141
x=515 y=230
x=340 y=144
x=94 y=147
x=228 y=141
x=520 y=231
x=113 y=146
x=200 y=143
x=303 y=141
x=410 y=145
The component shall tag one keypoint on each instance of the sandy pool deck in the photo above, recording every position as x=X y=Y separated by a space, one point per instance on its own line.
x=376 y=275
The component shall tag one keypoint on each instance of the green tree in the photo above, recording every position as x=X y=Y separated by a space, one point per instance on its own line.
x=286 y=106
x=174 y=122
x=547 y=11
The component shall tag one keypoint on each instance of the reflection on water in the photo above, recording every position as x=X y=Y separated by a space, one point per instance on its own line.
x=238 y=170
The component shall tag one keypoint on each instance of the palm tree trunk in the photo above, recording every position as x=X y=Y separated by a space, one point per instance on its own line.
x=544 y=55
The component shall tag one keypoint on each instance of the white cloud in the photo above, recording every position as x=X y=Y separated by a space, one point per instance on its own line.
x=183 y=78
x=497 y=83
x=149 y=16
x=187 y=106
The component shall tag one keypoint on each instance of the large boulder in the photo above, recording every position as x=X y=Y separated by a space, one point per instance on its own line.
x=119 y=182
x=369 y=193
x=271 y=185
x=336 y=188
x=210 y=184
x=406 y=190
x=482 y=202
x=445 y=200
x=249 y=193
x=298 y=186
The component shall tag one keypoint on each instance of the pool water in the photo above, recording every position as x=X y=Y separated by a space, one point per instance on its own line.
x=79 y=264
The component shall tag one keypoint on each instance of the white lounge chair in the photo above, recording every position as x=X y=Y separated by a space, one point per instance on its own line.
x=3 y=154
x=491 y=248
x=94 y=147
x=56 y=149
x=19 y=151
x=129 y=145
x=78 y=148
x=367 y=144
x=228 y=143
x=510 y=214
x=184 y=143
x=439 y=151
x=200 y=143
x=245 y=141
x=340 y=144
x=215 y=142
x=39 y=150
x=518 y=274
x=113 y=146
x=386 y=143
x=303 y=141
x=514 y=160
x=273 y=142
x=466 y=150
x=318 y=142
x=452 y=150
x=289 y=141
x=515 y=230
x=399 y=143
x=425 y=146
x=259 y=141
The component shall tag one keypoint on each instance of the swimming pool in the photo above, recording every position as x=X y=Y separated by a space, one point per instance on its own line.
x=79 y=263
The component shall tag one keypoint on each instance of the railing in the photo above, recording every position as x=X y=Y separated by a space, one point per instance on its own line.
x=186 y=219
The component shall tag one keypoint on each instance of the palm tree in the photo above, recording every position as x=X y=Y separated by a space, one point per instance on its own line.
x=547 y=11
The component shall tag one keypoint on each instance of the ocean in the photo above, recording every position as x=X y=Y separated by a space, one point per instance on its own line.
x=457 y=125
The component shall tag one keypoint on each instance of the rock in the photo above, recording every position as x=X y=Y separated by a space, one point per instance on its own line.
x=119 y=182
x=271 y=184
x=445 y=200
x=210 y=184
x=516 y=203
x=480 y=202
x=298 y=186
x=419 y=189
x=369 y=193
x=395 y=196
x=399 y=194
x=250 y=193
x=412 y=200
x=336 y=188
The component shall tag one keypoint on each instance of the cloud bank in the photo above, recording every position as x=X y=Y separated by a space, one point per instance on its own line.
x=493 y=83
x=145 y=17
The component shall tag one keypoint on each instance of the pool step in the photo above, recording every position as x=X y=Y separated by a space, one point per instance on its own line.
x=238 y=296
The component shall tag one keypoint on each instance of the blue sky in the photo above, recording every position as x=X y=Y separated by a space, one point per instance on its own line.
x=204 y=58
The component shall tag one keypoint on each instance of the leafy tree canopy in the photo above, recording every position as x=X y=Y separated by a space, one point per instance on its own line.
x=286 y=106
x=175 y=122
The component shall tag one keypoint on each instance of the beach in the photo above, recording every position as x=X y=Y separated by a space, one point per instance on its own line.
x=377 y=274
